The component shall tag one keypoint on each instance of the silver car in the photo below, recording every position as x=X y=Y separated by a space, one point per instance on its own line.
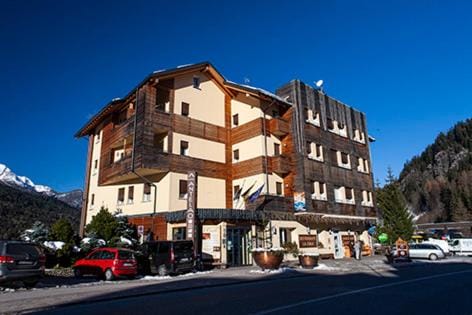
x=427 y=251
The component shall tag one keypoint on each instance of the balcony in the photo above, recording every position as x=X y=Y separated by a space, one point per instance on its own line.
x=280 y=164
x=279 y=127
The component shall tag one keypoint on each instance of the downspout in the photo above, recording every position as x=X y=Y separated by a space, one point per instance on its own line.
x=147 y=181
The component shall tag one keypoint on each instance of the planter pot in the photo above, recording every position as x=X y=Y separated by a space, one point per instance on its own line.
x=308 y=261
x=268 y=260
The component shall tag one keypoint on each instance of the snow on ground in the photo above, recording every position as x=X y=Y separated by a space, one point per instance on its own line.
x=271 y=271
x=190 y=274
x=324 y=267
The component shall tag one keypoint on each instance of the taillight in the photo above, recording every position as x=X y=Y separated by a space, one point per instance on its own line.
x=7 y=260
x=172 y=257
x=42 y=259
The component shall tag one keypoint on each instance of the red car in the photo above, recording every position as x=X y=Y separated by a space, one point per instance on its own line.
x=109 y=263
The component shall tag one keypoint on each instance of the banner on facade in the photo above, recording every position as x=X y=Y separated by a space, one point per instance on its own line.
x=191 y=204
x=299 y=201
x=306 y=240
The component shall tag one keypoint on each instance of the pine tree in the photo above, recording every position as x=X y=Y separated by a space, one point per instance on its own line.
x=103 y=225
x=62 y=231
x=397 y=221
x=37 y=234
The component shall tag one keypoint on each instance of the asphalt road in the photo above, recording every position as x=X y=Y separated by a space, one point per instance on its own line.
x=432 y=289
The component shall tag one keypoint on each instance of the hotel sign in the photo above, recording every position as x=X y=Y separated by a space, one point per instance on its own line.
x=191 y=204
x=307 y=240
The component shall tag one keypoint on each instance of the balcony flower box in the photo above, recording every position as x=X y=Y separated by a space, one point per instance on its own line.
x=268 y=258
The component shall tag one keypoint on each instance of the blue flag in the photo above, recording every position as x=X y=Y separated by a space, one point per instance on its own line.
x=255 y=194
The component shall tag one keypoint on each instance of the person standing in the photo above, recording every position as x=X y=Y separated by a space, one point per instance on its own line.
x=357 y=250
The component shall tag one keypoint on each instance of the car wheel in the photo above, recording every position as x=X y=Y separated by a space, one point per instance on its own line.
x=162 y=270
x=30 y=283
x=78 y=273
x=109 y=276
x=433 y=257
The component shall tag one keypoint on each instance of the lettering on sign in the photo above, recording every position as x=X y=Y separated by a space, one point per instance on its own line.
x=307 y=240
x=191 y=204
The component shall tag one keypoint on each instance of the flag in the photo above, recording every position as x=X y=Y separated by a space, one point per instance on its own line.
x=255 y=194
x=238 y=193
x=246 y=193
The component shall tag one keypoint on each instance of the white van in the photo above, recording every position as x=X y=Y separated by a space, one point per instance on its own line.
x=461 y=246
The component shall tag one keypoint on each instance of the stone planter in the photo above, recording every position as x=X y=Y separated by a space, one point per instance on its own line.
x=308 y=261
x=268 y=259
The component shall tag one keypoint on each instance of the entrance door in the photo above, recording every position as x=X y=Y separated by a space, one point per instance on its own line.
x=238 y=241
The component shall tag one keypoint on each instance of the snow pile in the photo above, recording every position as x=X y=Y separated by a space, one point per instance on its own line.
x=190 y=274
x=324 y=267
x=54 y=245
x=272 y=271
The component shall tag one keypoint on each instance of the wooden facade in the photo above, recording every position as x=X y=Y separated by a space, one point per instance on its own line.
x=131 y=124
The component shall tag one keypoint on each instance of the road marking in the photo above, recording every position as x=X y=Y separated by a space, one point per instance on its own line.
x=334 y=296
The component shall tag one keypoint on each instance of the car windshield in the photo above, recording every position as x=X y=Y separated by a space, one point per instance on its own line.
x=22 y=249
x=183 y=246
x=124 y=254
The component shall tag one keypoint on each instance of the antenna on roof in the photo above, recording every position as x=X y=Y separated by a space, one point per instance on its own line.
x=319 y=85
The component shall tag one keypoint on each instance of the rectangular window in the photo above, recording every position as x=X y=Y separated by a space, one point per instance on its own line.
x=182 y=189
x=276 y=149
x=330 y=123
x=344 y=158
x=92 y=200
x=130 y=194
x=183 y=148
x=121 y=196
x=284 y=235
x=147 y=192
x=97 y=136
x=308 y=148
x=236 y=120
x=196 y=82
x=318 y=152
x=278 y=188
x=95 y=164
x=185 y=109
x=236 y=155
x=178 y=233
x=348 y=192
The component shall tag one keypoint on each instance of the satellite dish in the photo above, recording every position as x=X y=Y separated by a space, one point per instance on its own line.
x=319 y=83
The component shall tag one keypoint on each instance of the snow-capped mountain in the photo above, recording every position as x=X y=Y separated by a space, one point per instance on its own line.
x=8 y=177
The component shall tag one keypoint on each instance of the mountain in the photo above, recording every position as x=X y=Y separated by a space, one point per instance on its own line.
x=19 y=209
x=437 y=184
x=9 y=178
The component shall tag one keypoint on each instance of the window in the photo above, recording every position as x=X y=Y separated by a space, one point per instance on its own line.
x=367 y=198
x=95 y=164
x=182 y=189
x=359 y=136
x=117 y=155
x=348 y=193
x=344 y=158
x=330 y=123
x=185 y=109
x=183 y=148
x=308 y=148
x=235 y=120
x=107 y=255
x=319 y=191
x=276 y=149
x=284 y=236
x=196 y=82
x=236 y=155
x=147 y=192
x=363 y=165
x=121 y=196
x=278 y=188
x=92 y=200
x=97 y=136
x=312 y=117
x=130 y=194
x=160 y=141
x=179 y=233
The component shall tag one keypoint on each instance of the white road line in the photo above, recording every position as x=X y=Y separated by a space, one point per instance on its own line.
x=334 y=296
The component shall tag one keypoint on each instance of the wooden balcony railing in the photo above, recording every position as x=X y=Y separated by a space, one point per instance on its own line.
x=279 y=126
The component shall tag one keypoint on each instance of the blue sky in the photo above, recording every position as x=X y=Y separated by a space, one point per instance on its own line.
x=405 y=64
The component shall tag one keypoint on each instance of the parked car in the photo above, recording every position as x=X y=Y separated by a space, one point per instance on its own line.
x=461 y=246
x=109 y=263
x=169 y=257
x=21 y=261
x=441 y=243
x=427 y=251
